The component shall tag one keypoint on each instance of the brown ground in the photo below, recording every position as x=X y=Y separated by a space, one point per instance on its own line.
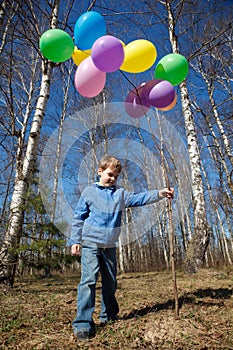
x=38 y=314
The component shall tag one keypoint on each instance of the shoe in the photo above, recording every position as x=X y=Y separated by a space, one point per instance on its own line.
x=85 y=335
x=111 y=320
x=103 y=323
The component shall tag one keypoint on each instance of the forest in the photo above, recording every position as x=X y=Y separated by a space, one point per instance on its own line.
x=51 y=138
x=174 y=255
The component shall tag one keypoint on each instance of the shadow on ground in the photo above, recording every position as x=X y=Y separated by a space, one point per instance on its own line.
x=218 y=296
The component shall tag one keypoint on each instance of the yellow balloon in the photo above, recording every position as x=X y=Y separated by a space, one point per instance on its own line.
x=123 y=44
x=140 y=55
x=79 y=55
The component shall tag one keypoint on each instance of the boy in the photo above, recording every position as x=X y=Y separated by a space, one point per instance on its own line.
x=96 y=226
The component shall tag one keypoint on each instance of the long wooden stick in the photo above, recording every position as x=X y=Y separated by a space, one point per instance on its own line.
x=171 y=241
x=171 y=236
x=172 y=250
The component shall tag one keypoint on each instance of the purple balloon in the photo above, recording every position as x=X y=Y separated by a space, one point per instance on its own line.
x=136 y=103
x=162 y=94
x=147 y=87
x=107 y=53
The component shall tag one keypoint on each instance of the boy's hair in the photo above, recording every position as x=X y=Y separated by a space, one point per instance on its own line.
x=111 y=162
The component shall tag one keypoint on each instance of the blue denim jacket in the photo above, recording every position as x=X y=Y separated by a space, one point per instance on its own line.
x=98 y=213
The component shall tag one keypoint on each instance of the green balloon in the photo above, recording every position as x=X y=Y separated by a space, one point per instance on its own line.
x=56 y=45
x=173 y=68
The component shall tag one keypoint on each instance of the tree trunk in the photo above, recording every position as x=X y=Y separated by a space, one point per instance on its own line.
x=121 y=259
x=195 y=253
x=25 y=168
x=8 y=253
x=215 y=208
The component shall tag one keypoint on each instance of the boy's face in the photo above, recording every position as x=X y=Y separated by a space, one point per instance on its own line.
x=108 y=177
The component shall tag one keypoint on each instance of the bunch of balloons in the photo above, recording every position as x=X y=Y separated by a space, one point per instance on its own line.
x=95 y=53
x=170 y=71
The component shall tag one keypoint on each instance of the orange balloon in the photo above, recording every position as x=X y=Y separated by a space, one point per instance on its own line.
x=170 y=106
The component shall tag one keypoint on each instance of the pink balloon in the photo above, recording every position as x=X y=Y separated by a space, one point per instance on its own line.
x=107 y=53
x=136 y=103
x=89 y=81
x=162 y=94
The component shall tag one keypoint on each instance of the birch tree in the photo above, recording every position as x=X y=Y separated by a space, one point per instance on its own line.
x=209 y=69
x=25 y=165
x=179 y=32
x=197 y=247
x=25 y=100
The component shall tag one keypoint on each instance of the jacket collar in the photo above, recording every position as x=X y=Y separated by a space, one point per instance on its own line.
x=98 y=184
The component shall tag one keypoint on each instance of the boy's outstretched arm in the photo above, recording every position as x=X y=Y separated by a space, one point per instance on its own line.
x=166 y=193
x=133 y=199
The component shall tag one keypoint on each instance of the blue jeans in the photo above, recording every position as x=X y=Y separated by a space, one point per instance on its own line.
x=95 y=260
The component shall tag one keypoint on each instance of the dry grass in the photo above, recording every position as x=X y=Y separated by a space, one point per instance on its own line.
x=38 y=314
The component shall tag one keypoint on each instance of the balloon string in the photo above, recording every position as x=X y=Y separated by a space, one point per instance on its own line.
x=136 y=90
x=127 y=79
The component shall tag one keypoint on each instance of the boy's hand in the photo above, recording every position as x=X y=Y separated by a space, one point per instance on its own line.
x=76 y=249
x=166 y=193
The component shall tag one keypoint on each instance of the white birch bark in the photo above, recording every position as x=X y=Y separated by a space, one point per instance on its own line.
x=11 y=10
x=222 y=231
x=165 y=254
x=210 y=89
x=223 y=162
x=8 y=253
x=121 y=257
x=59 y=142
x=195 y=253
x=228 y=151
x=196 y=250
